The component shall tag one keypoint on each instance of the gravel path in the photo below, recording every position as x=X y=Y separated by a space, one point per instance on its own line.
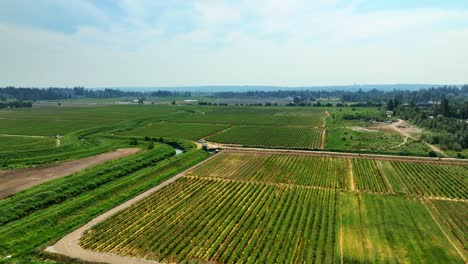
x=70 y=247
x=17 y=180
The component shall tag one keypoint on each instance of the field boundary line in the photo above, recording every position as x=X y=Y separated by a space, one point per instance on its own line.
x=69 y=244
x=442 y=230
x=385 y=176
x=324 y=129
x=341 y=230
x=24 y=136
x=217 y=132
x=351 y=176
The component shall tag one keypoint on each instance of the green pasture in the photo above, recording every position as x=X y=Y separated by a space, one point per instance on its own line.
x=191 y=131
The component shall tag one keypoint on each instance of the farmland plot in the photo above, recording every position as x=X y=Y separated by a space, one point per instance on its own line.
x=303 y=170
x=250 y=222
x=265 y=207
x=391 y=229
x=432 y=180
x=175 y=130
x=253 y=116
x=270 y=136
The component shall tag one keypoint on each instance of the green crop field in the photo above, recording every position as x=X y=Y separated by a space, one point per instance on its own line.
x=175 y=130
x=390 y=229
x=254 y=116
x=428 y=179
x=20 y=143
x=281 y=208
x=269 y=136
x=304 y=170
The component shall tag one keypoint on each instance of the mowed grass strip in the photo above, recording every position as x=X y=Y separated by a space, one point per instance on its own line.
x=206 y=220
x=271 y=136
x=391 y=229
x=176 y=130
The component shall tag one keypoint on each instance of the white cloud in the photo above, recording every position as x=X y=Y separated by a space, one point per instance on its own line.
x=252 y=42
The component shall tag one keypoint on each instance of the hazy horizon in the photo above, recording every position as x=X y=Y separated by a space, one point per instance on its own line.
x=291 y=43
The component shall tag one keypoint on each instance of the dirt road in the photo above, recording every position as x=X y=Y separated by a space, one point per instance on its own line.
x=17 y=180
x=406 y=130
x=69 y=245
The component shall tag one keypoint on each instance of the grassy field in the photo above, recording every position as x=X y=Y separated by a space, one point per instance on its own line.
x=389 y=229
x=49 y=121
x=272 y=116
x=20 y=143
x=273 y=137
x=175 y=130
x=259 y=210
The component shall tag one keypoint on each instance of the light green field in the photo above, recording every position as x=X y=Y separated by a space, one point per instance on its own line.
x=254 y=116
x=175 y=130
x=20 y=143
x=389 y=229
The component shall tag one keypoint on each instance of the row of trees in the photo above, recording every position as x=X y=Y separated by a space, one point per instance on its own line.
x=422 y=96
x=77 y=92
x=449 y=130
x=15 y=104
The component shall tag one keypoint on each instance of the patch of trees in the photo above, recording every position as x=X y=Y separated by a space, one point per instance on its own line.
x=422 y=96
x=15 y=104
x=446 y=122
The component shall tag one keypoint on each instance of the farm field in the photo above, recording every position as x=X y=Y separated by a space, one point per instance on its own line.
x=272 y=116
x=273 y=137
x=49 y=121
x=175 y=130
x=20 y=143
x=199 y=217
x=391 y=229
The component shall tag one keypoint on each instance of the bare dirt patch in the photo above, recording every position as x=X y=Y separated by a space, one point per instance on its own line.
x=17 y=180
x=361 y=129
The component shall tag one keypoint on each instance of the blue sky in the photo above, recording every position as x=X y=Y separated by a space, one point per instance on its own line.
x=264 y=42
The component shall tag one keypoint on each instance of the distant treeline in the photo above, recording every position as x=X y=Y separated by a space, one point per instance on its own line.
x=52 y=93
x=15 y=104
x=420 y=96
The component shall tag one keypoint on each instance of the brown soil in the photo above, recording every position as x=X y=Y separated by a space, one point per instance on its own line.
x=407 y=131
x=17 y=180
x=324 y=131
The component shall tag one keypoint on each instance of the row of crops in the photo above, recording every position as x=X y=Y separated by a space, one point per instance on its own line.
x=271 y=136
x=206 y=220
x=303 y=170
x=369 y=176
x=454 y=215
x=260 y=208
x=433 y=180
x=380 y=176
